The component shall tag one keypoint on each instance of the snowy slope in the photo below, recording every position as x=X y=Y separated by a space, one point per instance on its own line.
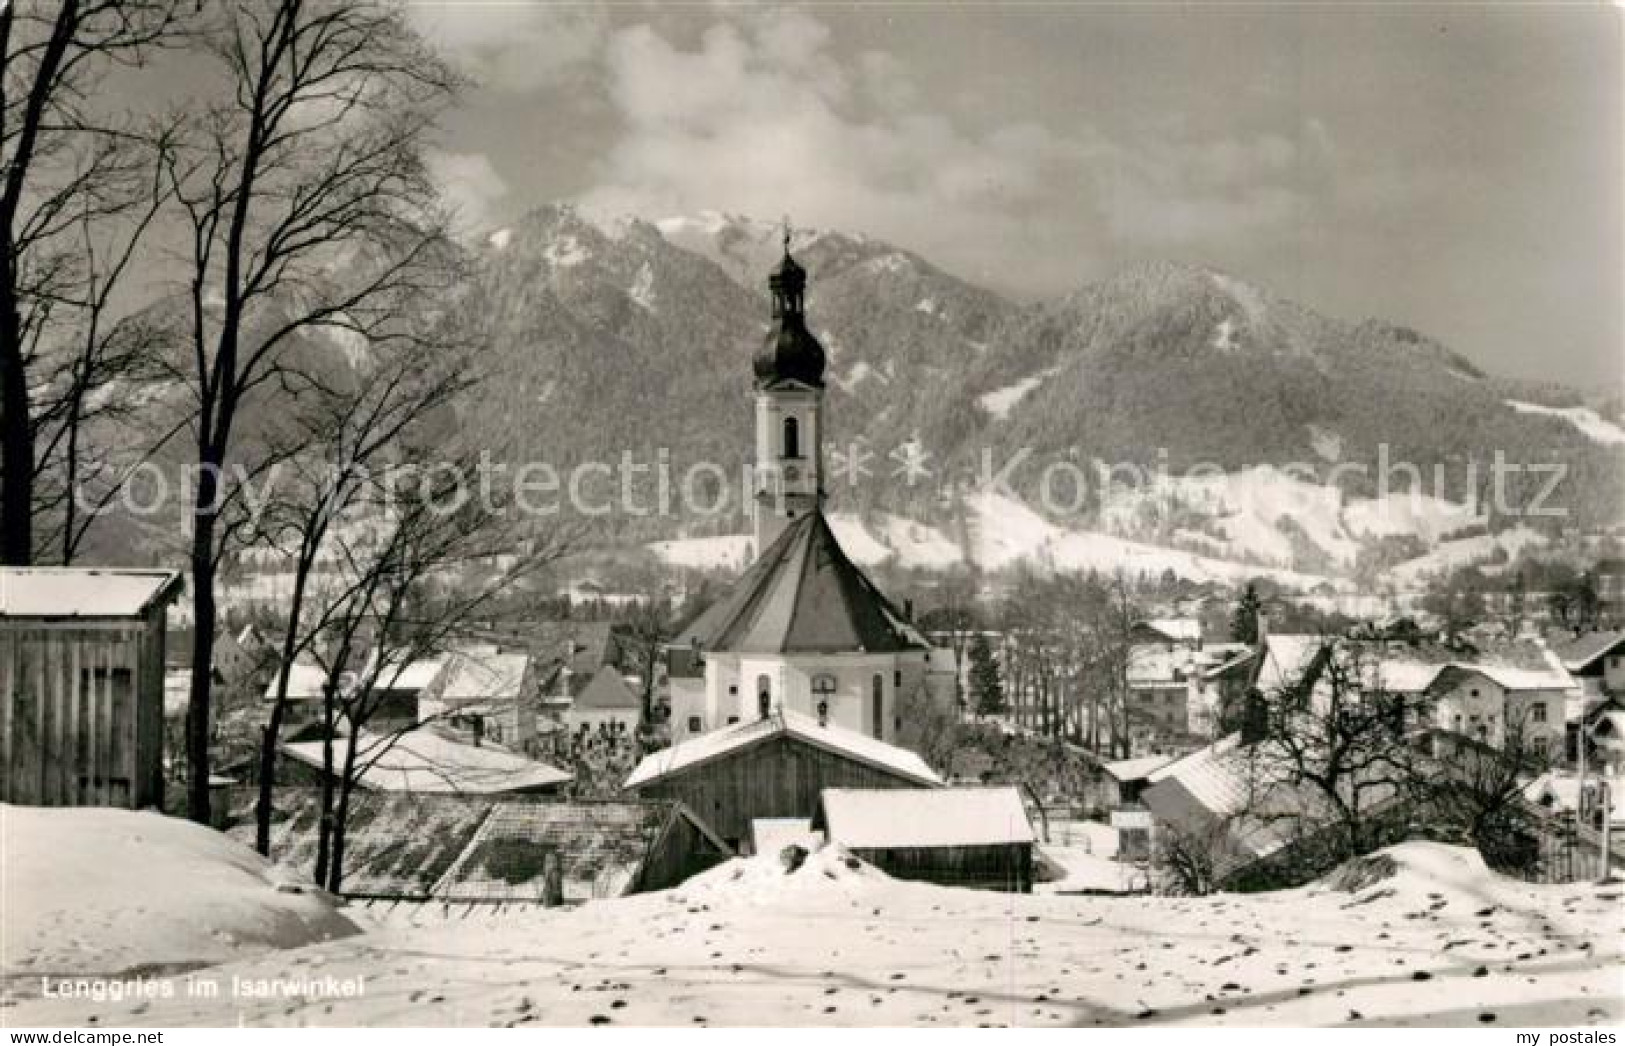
x=93 y=890
x=1588 y=421
x=1441 y=941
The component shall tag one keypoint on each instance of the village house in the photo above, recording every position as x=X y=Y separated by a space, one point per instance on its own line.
x=483 y=694
x=772 y=767
x=1179 y=692
x=977 y=838
x=803 y=629
x=1479 y=691
x=82 y=685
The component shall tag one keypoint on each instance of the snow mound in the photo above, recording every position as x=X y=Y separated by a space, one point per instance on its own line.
x=101 y=891
x=1417 y=869
x=770 y=878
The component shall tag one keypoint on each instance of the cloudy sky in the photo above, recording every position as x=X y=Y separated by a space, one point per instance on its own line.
x=1455 y=169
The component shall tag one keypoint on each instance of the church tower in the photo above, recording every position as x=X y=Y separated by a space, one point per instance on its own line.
x=789 y=473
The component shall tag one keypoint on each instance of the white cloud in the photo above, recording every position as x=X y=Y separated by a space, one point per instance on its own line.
x=759 y=116
x=516 y=47
x=471 y=187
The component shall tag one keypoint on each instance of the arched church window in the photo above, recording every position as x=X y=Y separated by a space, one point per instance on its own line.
x=792 y=438
x=877 y=700
x=764 y=695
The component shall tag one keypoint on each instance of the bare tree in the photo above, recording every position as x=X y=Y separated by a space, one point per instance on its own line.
x=1476 y=787
x=308 y=209
x=72 y=168
x=443 y=562
x=1343 y=742
x=393 y=405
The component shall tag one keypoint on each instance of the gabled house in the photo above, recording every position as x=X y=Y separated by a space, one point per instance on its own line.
x=1597 y=661
x=608 y=698
x=483 y=694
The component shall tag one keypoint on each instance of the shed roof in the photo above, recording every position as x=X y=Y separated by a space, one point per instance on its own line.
x=600 y=846
x=424 y=761
x=861 y=748
x=461 y=848
x=84 y=592
x=882 y=818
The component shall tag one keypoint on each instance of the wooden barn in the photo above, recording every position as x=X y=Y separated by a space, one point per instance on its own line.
x=82 y=685
x=772 y=768
x=978 y=838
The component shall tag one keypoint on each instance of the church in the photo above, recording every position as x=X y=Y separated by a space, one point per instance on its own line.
x=803 y=630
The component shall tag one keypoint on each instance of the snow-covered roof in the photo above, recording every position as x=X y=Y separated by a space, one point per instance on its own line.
x=483 y=676
x=424 y=761
x=878 y=818
x=76 y=592
x=1582 y=652
x=414 y=675
x=839 y=740
x=1156 y=665
x=1136 y=769
x=1176 y=629
x=305 y=682
x=1413 y=668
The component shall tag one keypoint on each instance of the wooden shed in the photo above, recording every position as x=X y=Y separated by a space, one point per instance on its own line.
x=82 y=685
x=978 y=838
x=772 y=768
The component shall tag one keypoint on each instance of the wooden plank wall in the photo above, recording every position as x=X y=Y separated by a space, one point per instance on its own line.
x=81 y=714
x=778 y=778
x=1005 y=867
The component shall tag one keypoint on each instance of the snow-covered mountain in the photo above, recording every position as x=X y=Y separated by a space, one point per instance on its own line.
x=612 y=336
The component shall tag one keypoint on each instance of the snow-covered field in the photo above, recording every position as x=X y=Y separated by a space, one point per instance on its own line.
x=1439 y=941
x=99 y=891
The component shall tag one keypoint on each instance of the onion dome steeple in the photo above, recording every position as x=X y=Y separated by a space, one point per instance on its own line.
x=791 y=353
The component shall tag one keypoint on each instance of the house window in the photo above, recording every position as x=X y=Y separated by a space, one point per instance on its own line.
x=1474 y=691
x=732 y=720
x=1538 y=713
x=877 y=687
x=792 y=438
x=733 y=689
x=693 y=724
x=897 y=678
